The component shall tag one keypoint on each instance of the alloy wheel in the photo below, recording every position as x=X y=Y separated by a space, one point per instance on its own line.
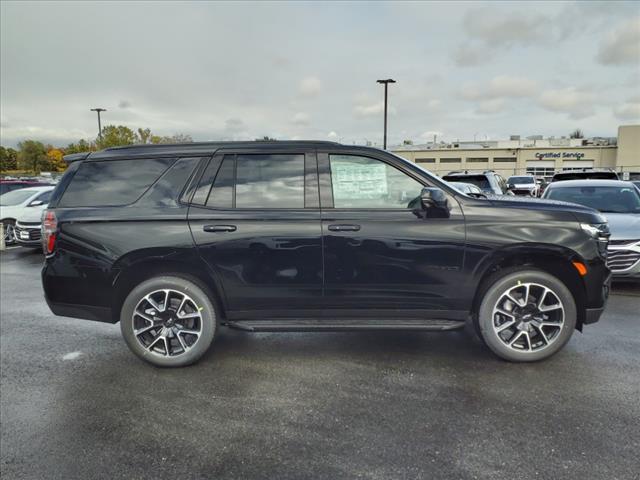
x=9 y=234
x=528 y=317
x=167 y=323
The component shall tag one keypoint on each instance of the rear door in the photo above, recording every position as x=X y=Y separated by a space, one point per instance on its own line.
x=255 y=218
x=381 y=249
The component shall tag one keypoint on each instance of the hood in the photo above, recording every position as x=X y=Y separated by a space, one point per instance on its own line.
x=31 y=214
x=624 y=226
x=582 y=213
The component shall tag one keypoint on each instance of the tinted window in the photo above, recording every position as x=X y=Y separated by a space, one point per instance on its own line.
x=520 y=180
x=480 y=181
x=270 y=181
x=606 y=199
x=44 y=197
x=363 y=182
x=165 y=192
x=113 y=182
x=221 y=195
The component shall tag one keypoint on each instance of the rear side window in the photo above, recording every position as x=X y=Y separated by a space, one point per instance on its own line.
x=113 y=182
x=221 y=195
x=270 y=181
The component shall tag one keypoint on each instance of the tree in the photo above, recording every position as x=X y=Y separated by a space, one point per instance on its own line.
x=8 y=159
x=80 y=147
x=266 y=138
x=32 y=156
x=144 y=136
x=577 y=133
x=177 y=138
x=56 y=161
x=116 y=136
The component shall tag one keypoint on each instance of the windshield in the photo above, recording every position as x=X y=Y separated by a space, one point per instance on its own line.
x=520 y=180
x=606 y=199
x=15 y=197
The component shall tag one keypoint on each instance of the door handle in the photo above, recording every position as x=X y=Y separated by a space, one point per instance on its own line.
x=344 y=228
x=219 y=228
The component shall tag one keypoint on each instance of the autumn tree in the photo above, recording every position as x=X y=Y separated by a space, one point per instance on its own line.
x=56 y=162
x=32 y=156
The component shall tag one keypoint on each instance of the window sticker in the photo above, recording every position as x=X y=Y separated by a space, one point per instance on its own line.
x=359 y=181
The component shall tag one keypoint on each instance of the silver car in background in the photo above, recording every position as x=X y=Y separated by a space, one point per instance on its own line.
x=620 y=203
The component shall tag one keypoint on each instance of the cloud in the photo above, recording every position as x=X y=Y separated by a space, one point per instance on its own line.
x=430 y=134
x=629 y=110
x=468 y=55
x=234 y=125
x=373 y=109
x=622 y=45
x=332 y=135
x=575 y=102
x=504 y=29
x=301 y=118
x=501 y=86
x=489 y=107
x=124 y=104
x=310 y=87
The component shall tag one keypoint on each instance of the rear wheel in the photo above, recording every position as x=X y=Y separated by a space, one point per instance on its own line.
x=169 y=321
x=526 y=315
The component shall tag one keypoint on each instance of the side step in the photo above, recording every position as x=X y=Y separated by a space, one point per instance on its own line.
x=333 y=325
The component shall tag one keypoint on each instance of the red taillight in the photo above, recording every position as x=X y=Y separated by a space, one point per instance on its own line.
x=49 y=229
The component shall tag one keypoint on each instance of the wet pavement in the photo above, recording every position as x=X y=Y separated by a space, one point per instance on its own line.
x=76 y=404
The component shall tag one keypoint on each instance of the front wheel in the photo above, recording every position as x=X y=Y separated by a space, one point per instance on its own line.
x=169 y=321
x=526 y=315
x=9 y=231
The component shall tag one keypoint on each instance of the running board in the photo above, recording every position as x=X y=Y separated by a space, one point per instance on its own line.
x=291 y=325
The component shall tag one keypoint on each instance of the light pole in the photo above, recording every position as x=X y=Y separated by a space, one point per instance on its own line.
x=386 y=85
x=98 y=110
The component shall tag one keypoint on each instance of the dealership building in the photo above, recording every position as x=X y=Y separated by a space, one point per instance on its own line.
x=535 y=155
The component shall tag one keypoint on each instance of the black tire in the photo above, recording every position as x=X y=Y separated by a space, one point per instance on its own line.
x=204 y=306
x=494 y=291
x=8 y=231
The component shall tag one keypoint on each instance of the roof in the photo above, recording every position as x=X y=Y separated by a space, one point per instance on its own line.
x=195 y=148
x=590 y=183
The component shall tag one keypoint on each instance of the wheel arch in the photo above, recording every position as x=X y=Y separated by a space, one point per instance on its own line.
x=553 y=259
x=133 y=273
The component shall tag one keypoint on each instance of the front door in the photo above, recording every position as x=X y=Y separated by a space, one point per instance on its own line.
x=382 y=250
x=256 y=221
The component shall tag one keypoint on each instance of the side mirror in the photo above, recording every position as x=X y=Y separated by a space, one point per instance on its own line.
x=36 y=203
x=433 y=197
x=511 y=186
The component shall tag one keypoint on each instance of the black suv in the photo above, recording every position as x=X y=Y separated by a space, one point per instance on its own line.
x=174 y=241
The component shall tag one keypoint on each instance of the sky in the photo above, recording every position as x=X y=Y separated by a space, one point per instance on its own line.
x=296 y=70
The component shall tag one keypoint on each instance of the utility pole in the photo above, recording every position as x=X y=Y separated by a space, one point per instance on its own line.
x=386 y=84
x=98 y=110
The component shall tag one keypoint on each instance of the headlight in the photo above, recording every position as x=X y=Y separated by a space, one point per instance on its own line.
x=596 y=230
x=600 y=233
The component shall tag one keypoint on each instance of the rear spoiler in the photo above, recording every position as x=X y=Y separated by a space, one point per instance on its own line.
x=74 y=157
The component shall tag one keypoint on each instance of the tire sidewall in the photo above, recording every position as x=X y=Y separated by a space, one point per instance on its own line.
x=498 y=288
x=180 y=284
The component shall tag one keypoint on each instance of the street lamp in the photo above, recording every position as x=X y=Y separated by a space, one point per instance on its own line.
x=98 y=110
x=386 y=85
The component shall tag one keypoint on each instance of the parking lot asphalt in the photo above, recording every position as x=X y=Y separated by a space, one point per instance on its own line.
x=76 y=404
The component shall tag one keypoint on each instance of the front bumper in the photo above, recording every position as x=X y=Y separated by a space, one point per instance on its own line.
x=27 y=235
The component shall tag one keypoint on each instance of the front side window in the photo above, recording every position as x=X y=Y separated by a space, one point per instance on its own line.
x=269 y=181
x=363 y=182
